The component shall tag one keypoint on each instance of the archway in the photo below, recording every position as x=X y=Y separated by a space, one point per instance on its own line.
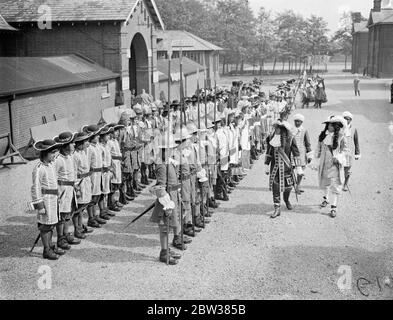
x=139 y=65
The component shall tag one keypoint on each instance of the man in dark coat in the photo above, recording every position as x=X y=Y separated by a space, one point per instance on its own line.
x=281 y=146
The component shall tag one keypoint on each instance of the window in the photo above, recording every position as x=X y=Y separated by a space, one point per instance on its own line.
x=105 y=93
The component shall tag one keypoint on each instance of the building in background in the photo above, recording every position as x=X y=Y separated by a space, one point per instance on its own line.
x=201 y=51
x=52 y=88
x=359 y=44
x=193 y=73
x=380 y=40
x=117 y=34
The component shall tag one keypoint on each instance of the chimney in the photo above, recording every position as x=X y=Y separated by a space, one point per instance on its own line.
x=356 y=17
x=377 y=5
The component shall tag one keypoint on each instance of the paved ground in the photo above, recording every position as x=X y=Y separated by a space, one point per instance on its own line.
x=242 y=254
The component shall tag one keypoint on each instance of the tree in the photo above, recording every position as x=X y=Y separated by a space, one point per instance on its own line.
x=342 y=38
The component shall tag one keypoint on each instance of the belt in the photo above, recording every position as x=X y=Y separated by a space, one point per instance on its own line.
x=84 y=175
x=117 y=158
x=53 y=192
x=105 y=169
x=173 y=188
x=96 y=170
x=66 y=183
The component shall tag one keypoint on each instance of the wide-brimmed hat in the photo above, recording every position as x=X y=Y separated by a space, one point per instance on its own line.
x=336 y=119
x=194 y=99
x=93 y=129
x=191 y=127
x=116 y=126
x=128 y=114
x=340 y=120
x=281 y=123
x=65 y=137
x=175 y=103
x=46 y=145
x=167 y=141
x=106 y=130
x=181 y=135
x=82 y=136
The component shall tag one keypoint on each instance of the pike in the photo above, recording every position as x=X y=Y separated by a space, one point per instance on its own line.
x=199 y=127
x=166 y=154
x=181 y=145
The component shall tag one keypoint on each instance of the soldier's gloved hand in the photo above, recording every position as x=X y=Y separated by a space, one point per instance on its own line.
x=357 y=157
x=42 y=211
x=300 y=171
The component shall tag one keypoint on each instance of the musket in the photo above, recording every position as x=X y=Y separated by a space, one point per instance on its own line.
x=141 y=215
x=199 y=127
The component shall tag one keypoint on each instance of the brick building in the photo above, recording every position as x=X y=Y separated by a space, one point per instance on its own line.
x=52 y=87
x=359 y=46
x=380 y=40
x=119 y=35
x=196 y=49
x=191 y=72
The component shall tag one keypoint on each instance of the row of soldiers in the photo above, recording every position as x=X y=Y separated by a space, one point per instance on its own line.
x=209 y=143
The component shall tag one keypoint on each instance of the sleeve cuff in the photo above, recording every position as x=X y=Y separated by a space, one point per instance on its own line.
x=39 y=206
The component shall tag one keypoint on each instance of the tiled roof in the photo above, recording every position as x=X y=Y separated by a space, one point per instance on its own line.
x=73 y=10
x=30 y=74
x=189 y=67
x=189 y=41
x=4 y=25
x=360 y=27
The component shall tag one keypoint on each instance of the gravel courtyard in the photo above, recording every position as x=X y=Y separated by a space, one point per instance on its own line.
x=242 y=254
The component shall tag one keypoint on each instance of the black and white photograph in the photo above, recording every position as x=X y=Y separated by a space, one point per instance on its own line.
x=204 y=151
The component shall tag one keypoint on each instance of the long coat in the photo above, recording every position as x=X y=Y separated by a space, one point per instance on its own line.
x=45 y=178
x=83 y=180
x=330 y=174
x=164 y=176
x=65 y=169
x=277 y=165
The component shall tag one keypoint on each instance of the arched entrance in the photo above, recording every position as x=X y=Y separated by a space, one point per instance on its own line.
x=139 y=65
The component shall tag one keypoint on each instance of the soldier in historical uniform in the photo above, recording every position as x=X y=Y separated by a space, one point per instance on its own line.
x=66 y=177
x=83 y=182
x=197 y=178
x=331 y=154
x=137 y=153
x=94 y=154
x=127 y=146
x=181 y=156
x=116 y=181
x=353 y=151
x=281 y=146
x=44 y=193
x=304 y=145
x=107 y=172
x=166 y=209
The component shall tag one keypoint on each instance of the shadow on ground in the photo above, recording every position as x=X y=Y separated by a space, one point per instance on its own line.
x=267 y=209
